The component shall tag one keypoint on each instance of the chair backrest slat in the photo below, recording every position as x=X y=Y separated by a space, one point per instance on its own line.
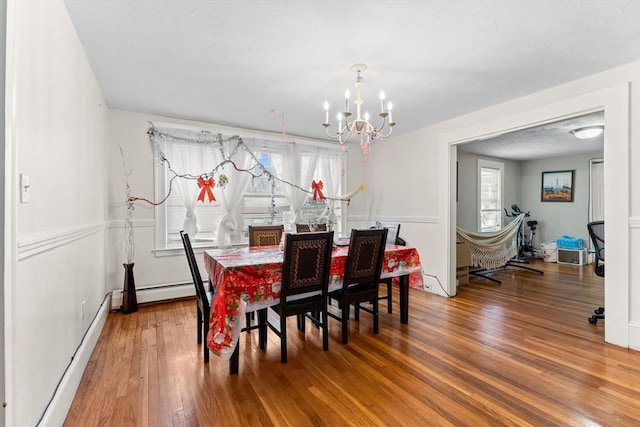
x=307 y=262
x=364 y=260
x=265 y=235
x=306 y=228
x=195 y=271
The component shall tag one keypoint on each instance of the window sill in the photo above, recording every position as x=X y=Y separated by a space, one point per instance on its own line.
x=179 y=250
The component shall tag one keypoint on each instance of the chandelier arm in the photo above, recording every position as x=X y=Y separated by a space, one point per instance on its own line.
x=387 y=134
x=326 y=129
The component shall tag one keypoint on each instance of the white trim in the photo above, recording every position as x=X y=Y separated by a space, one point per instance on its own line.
x=634 y=335
x=634 y=222
x=34 y=244
x=10 y=206
x=400 y=219
x=489 y=164
x=59 y=405
x=156 y=293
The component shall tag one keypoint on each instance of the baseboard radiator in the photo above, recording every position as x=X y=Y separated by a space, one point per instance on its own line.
x=156 y=293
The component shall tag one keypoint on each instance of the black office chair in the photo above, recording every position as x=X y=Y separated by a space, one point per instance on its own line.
x=361 y=277
x=305 y=283
x=596 y=232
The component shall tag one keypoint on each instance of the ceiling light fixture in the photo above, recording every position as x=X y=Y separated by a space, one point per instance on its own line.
x=360 y=125
x=588 y=132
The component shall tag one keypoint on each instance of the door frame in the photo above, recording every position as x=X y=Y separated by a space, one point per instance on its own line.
x=614 y=101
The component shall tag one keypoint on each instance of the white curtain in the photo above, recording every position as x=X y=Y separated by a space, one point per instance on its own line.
x=189 y=159
x=330 y=172
x=230 y=226
x=300 y=173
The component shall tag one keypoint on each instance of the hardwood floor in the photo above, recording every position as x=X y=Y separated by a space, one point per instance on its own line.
x=518 y=354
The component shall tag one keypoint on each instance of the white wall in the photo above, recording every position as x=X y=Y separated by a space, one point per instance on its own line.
x=557 y=219
x=56 y=132
x=425 y=161
x=523 y=187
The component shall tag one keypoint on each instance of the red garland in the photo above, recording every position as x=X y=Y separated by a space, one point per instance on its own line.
x=317 y=189
x=206 y=186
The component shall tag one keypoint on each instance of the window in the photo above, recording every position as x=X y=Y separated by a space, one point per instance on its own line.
x=490 y=195
x=264 y=199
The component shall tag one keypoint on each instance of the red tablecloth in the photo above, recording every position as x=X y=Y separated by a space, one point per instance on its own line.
x=247 y=279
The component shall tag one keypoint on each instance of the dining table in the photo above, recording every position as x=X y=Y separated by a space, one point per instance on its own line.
x=247 y=279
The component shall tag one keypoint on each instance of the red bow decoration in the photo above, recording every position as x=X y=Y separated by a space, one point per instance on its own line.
x=317 y=189
x=206 y=186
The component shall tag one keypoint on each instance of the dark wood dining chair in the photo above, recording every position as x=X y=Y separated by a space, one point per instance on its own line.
x=393 y=238
x=361 y=277
x=305 y=270
x=203 y=297
x=306 y=228
x=265 y=235
x=204 y=309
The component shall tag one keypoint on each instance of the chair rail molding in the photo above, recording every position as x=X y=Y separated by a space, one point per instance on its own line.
x=36 y=243
x=139 y=223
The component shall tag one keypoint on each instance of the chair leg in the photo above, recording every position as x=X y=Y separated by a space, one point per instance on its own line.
x=390 y=297
x=283 y=338
x=325 y=330
x=200 y=325
x=345 y=321
x=375 y=316
x=234 y=362
x=248 y=317
x=301 y=322
x=262 y=328
x=205 y=328
x=356 y=311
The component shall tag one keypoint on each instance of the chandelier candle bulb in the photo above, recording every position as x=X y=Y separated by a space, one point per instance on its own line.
x=326 y=112
x=382 y=102
x=390 y=107
x=347 y=95
x=339 y=122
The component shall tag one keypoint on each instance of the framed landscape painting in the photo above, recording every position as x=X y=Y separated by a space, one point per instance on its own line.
x=557 y=186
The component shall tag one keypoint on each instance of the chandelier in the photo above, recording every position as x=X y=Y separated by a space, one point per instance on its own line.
x=360 y=125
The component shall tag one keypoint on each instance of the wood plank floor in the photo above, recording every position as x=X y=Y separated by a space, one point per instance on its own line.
x=520 y=354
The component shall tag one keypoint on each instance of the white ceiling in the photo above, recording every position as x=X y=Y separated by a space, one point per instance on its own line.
x=269 y=65
x=541 y=142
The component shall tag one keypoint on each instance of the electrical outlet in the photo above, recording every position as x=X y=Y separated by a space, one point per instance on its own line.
x=82 y=310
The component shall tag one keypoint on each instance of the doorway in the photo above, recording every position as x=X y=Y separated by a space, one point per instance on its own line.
x=614 y=101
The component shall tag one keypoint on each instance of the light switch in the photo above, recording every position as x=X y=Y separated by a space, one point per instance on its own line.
x=24 y=188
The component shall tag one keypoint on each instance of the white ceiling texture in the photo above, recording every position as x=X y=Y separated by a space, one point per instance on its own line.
x=269 y=65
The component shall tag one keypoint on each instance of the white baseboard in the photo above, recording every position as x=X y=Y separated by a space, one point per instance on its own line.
x=156 y=293
x=64 y=394
x=634 y=336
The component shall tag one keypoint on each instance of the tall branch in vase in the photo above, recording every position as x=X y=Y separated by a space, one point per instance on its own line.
x=129 y=299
